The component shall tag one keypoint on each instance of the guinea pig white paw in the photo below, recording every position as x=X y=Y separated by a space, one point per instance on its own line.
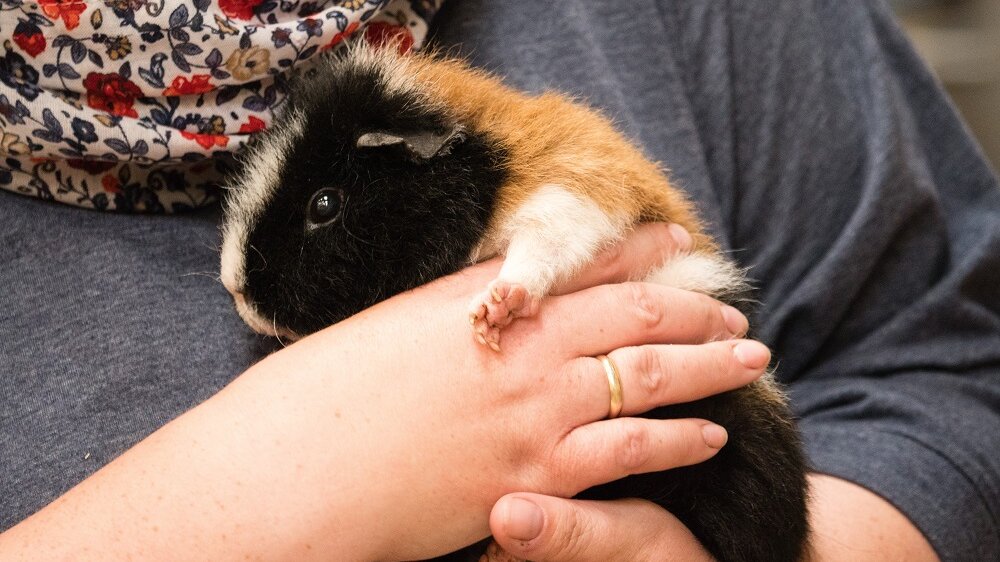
x=498 y=306
x=494 y=553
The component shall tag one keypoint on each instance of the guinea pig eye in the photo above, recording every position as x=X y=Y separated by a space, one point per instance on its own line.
x=325 y=206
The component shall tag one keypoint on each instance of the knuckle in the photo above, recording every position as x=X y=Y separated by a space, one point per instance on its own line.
x=613 y=257
x=635 y=447
x=715 y=363
x=711 y=316
x=725 y=362
x=651 y=372
x=693 y=442
x=663 y=239
x=642 y=304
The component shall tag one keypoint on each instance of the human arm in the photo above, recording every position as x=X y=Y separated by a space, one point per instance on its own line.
x=329 y=448
x=851 y=523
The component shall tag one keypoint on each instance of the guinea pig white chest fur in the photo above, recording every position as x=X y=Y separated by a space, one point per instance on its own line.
x=386 y=172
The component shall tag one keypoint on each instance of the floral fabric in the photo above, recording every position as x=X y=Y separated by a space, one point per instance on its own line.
x=139 y=105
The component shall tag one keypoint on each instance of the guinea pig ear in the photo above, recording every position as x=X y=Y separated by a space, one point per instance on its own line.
x=419 y=145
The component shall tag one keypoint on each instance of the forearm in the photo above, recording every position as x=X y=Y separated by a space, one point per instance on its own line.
x=924 y=441
x=853 y=524
x=389 y=436
x=252 y=471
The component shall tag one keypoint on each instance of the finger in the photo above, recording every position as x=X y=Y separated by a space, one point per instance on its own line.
x=597 y=320
x=659 y=375
x=645 y=248
x=607 y=450
x=547 y=529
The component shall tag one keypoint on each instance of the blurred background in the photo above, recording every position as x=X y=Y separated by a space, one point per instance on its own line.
x=960 y=39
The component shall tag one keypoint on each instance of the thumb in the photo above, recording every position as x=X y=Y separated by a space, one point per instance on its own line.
x=548 y=529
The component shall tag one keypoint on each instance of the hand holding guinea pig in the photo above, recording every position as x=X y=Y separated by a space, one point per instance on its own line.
x=548 y=381
x=388 y=437
x=386 y=172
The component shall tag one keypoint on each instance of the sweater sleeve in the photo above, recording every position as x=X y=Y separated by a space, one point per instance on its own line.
x=871 y=222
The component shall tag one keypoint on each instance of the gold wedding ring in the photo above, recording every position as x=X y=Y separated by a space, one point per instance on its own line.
x=615 y=382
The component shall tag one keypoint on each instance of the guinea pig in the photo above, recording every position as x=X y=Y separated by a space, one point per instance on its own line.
x=386 y=171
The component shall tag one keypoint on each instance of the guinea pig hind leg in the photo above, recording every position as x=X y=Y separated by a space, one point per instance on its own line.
x=548 y=238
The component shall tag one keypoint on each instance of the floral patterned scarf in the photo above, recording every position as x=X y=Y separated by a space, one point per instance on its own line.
x=138 y=105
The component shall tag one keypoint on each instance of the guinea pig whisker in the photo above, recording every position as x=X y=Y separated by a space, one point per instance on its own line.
x=210 y=246
x=262 y=258
x=211 y=275
x=274 y=326
x=343 y=224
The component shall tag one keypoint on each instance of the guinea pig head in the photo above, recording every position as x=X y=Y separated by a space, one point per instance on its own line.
x=365 y=187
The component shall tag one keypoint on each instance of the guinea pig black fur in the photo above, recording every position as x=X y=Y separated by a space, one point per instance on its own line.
x=386 y=172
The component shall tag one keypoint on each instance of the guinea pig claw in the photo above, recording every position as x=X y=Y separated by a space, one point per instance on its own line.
x=495 y=308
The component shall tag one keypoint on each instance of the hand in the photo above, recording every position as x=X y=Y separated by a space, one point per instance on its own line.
x=392 y=434
x=543 y=424
x=548 y=529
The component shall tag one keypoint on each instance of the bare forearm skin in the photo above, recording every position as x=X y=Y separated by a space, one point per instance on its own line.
x=853 y=524
x=205 y=486
x=329 y=449
x=278 y=466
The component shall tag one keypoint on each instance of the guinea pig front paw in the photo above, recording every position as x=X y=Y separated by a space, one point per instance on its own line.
x=494 y=553
x=496 y=307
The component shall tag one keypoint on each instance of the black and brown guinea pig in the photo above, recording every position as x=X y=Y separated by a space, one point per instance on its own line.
x=385 y=172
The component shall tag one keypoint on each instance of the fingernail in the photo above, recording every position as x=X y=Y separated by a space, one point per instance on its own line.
x=680 y=236
x=752 y=354
x=523 y=520
x=715 y=436
x=736 y=323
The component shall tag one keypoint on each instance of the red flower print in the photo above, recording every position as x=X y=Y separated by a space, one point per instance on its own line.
x=350 y=29
x=207 y=140
x=68 y=10
x=239 y=9
x=29 y=37
x=111 y=93
x=380 y=34
x=111 y=184
x=252 y=125
x=181 y=86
